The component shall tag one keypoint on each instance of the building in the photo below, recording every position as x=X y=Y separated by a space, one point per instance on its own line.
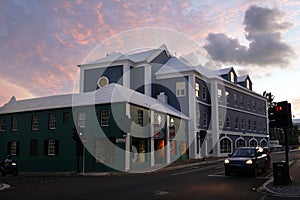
x=135 y=111
x=296 y=122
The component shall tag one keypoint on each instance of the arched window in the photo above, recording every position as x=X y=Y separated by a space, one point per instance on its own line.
x=263 y=143
x=225 y=145
x=240 y=143
x=253 y=143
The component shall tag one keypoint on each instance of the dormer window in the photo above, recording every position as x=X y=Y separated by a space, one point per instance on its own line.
x=232 y=77
x=248 y=84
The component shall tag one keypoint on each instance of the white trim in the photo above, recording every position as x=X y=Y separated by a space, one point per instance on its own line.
x=243 y=111
x=241 y=133
x=147 y=79
x=240 y=138
x=231 y=148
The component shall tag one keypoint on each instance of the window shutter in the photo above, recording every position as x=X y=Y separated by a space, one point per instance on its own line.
x=46 y=147
x=8 y=148
x=56 y=147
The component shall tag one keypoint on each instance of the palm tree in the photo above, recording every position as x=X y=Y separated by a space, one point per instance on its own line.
x=270 y=98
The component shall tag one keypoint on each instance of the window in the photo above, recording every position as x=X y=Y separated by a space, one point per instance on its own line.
x=66 y=117
x=204 y=119
x=253 y=143
x=263 y=143
x=225 y=145
x=241 y=102
x=248 y=104
x=14 y=124
x=253 y=105
x=13 y=148
x=220 y=94
x=33 y=147
x=104 y=117
x=227 y=121
x=51 y=147
x=2 y=124
x=232 y=77
x=102 y=81
x=204 y=93
x=243 y=124
x=240 y=143
x=248 y=84
x=52 y=121
x=254 y=126
x=235 y=98
x=180 y=89
x=221 y=121
x=34 y=122
x=249 y=125
x=197 y=88
x=259 y=108
x=236 y=124
x=81 y=119
x=227 y=94
x=140 y=117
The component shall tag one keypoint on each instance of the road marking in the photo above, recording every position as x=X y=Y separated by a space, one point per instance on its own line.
x=161 y=192
x=192 y=170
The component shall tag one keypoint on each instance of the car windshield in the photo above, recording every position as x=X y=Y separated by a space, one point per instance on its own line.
x=244 y=153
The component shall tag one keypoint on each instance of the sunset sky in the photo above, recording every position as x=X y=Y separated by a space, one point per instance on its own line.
x=43 y=41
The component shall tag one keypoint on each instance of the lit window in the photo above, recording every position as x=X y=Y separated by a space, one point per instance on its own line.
x=180 y=89
x=104 y=117
x=197 y=88
x=2 y=124
x=248 y=84
x=232 y=77
x=14 y=124
x=227 y=94
x=225 y=145
x=34 y=123
x=52 y=121
x=220 y=94
x=81 y=119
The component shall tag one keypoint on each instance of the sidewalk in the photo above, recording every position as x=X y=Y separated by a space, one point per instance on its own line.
x=290 y=190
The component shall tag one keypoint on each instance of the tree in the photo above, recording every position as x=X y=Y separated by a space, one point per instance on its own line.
x=270 y=99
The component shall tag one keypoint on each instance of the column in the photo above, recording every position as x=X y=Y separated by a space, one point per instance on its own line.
x=127 y=142
x=148 y=79
x=126 y=75
x=168 y=154
x=192 y=133
x=215 y=118
x=152 y=150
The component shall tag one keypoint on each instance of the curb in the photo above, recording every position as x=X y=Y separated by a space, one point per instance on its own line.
x=4 y=186
x=264 y=187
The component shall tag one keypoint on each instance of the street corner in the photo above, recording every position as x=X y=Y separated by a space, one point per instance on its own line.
x=4 y=187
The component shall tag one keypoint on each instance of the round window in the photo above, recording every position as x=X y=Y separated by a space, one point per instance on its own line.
x=102 y=81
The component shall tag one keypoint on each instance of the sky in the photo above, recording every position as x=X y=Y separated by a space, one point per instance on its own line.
x=43 y=41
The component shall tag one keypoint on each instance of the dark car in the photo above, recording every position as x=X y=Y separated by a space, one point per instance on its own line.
x=247 y=160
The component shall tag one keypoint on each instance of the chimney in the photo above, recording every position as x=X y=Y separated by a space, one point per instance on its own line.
x=162 y=97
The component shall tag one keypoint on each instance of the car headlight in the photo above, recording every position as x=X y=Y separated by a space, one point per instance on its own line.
x=249 y=162
x=14 y=164
x=226 y=161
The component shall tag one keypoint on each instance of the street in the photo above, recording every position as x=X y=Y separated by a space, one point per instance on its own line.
x=205 y=181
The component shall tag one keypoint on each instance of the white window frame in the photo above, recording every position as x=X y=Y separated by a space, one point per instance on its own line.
x=52 y=121
x=180 y=89
x=253 y=139
x=2 y=124
x=227 y=94
x=225 y=150
x=34 y=123
x=13 y=148
x=14 y=124
x=237 y=141
x=51 y=147
x=81 y=119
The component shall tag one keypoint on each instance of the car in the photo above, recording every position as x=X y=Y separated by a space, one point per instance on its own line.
x=246 y=160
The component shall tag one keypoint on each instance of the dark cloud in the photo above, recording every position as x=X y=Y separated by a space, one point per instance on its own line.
x=262 y=30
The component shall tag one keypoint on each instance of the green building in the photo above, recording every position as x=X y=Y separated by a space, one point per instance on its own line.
x=112 y=128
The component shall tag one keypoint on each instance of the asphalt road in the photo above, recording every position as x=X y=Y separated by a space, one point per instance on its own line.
x=206 y=181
